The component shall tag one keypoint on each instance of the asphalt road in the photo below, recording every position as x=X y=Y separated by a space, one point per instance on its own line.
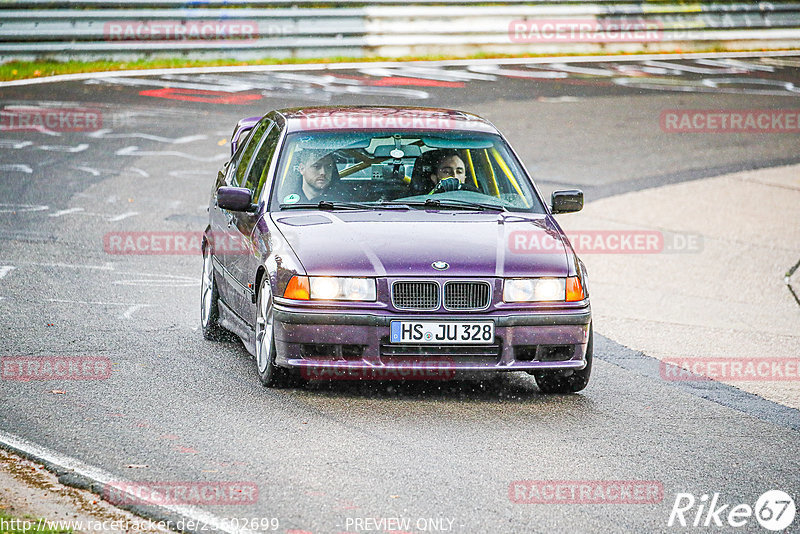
x=442 y=454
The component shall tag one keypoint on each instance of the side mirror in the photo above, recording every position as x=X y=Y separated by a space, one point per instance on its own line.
x=566 y=201
x=235 y=199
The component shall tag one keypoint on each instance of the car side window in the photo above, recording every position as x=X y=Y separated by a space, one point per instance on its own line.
x=231 y=166
x=261 y=163
x=252 y=145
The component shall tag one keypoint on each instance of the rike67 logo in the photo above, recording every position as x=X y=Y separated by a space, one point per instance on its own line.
x=774 y=510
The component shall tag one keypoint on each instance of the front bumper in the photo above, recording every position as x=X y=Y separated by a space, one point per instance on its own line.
x=360 y=341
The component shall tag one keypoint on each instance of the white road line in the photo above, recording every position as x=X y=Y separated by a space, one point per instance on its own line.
x=234 y=87
x=517 y=73
x=16 y=167
x=5 y=269
x=98 y=172
x=159 y=275
x=64 y=148
x=579 y=70
x=122 y=216
x=139 y=171
x=90 y=170
x=131 y=310
x=65 y=212
x=134 y=151
x=748 y=65
x=185 y=282
x=97 y=303
x=92 y=214
x=127 y=314
x=782 y=62
x=43 y=130
x=10 y=143
x=106 y=134
x=694 y=70
x=558 y=99
x=52 y=458
x=108 y=266
x=188 y=172
x=160 y=279
x=19 y=208
x=412 y=71
x=48 y=132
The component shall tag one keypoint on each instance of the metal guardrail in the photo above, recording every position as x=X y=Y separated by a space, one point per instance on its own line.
x=131 y=29
x=646 y=6
x=651 y=6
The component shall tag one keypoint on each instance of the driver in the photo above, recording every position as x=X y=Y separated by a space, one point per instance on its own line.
x=449 y=173
x=318 y=171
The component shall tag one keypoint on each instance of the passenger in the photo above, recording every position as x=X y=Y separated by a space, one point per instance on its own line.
x=318 y=171
x=424 y=166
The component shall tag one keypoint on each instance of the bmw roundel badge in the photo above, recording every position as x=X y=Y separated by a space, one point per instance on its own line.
x=440 y=265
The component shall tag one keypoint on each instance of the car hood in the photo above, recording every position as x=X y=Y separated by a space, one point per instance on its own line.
x=406 y=243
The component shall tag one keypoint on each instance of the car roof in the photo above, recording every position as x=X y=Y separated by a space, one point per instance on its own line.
x=382 y=118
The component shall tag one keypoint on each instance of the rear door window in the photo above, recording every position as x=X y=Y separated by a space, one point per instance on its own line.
x=259 y=168
x=252 y=146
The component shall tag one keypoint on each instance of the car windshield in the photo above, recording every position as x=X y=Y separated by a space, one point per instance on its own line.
x=460 y=170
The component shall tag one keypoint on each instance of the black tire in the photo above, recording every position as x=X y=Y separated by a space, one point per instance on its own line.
x=269 y=374
x=567 y=381
x=209 y=301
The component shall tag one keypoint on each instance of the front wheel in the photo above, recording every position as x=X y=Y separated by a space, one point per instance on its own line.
x=567 y=381
x=269 y=374
x=209 y=301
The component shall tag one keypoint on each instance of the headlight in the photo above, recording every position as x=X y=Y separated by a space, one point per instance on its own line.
x=534 y=289
x=358 y=288
x=339 y=288
x=325 y=288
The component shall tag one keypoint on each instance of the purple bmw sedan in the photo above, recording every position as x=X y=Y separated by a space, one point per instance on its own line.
x=380 y=240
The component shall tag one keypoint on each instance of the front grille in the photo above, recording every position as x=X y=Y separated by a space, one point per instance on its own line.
x=415 y=295
x=467 y=295
x=393 y=350
x=430 y=353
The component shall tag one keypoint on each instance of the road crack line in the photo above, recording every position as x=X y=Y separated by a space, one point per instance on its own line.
x=787 y=279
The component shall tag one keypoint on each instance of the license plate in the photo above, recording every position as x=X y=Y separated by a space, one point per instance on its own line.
x=472 y=332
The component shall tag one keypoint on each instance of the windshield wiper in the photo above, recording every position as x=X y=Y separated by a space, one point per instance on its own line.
x=452 y=203
x=337 y=205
